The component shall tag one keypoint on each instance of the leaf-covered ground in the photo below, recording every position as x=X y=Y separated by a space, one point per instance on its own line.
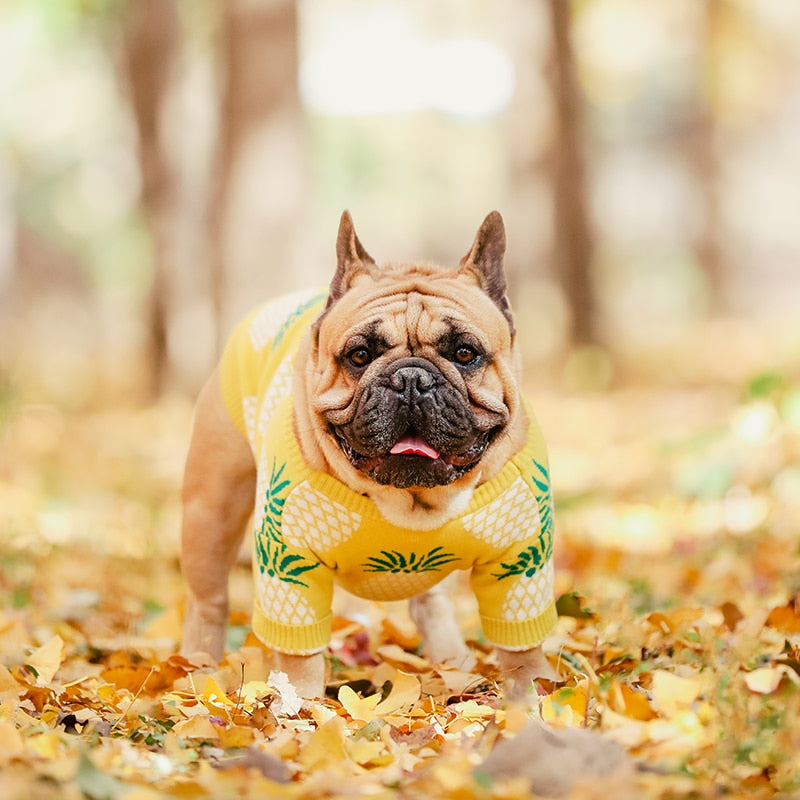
x=678 y=513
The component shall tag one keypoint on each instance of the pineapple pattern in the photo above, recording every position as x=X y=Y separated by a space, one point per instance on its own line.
x=280 y=387
x=507 y=519
x=275 y=559
x=281 y=601
x=394 y=561
x=307 y=533
x=532 y=558
x=529 y=598
x=315 y=521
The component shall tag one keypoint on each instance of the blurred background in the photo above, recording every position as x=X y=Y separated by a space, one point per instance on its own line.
x=167 y=164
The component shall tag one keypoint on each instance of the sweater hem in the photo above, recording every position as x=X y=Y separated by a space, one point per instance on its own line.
x=513 y=635
x=296 y=640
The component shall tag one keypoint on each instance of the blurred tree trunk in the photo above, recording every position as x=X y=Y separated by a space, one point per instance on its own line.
x=704 y=159
x=573 y=239
x=259 y=54
x=150 y=43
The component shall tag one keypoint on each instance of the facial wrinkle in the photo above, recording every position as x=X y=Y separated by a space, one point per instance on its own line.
x=415 y=317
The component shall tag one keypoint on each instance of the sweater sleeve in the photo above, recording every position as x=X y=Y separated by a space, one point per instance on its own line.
x=514 y=585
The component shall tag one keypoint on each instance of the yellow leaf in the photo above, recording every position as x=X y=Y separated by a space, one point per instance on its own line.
x=7 y=682
x=214 y=696
x=196 y=728
x=673 y=694
x=50 y=713
x=11 y=743
x=46 y=745
x=363 y=752
x=567 y=706
x=361 y=708
x=47 y=659
x=471 y=710
x=236 y=736
x=325 y=746
x=405 y=692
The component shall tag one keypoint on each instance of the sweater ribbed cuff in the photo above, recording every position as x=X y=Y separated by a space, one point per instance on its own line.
x=296 y=640
x=520 y=635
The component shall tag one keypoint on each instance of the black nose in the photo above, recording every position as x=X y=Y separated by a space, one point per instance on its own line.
x=412 y=377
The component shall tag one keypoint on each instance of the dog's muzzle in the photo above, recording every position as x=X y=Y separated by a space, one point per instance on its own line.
x=412 y=427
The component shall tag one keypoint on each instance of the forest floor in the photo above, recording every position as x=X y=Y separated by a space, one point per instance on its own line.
x=677 y=519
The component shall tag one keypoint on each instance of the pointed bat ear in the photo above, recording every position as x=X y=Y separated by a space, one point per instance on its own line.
x=351 y=258
x=485 y=260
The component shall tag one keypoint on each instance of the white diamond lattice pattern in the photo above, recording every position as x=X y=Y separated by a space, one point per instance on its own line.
x=310 y=519
x=529 y=597
x=280 y=601
x=268 y=321
x=512 y=517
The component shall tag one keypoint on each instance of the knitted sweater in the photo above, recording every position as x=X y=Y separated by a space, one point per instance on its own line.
x=311 y=530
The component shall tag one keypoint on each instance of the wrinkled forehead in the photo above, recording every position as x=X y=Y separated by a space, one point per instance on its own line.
x=417 y=312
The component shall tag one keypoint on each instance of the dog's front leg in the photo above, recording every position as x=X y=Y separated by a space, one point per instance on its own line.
x=521 y=668
x=305 y=673
x=434 y=616
x=218 y=491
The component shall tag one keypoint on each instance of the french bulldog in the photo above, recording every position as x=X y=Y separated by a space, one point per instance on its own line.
x=378 y=435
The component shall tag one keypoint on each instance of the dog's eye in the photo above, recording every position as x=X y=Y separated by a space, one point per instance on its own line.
x=359 y=357
x=465 y=355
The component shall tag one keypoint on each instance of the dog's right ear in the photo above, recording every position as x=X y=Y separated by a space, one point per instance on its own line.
x=351 y=258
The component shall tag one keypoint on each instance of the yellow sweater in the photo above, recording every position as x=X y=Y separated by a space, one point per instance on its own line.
x=311 y=530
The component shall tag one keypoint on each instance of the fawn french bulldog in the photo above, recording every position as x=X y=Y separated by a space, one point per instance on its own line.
x=379 y=434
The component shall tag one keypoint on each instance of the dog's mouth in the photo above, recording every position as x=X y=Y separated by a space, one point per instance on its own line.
x=412 y=461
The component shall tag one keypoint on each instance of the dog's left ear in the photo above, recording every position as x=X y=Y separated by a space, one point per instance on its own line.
x=351 y=258
x=485 y=260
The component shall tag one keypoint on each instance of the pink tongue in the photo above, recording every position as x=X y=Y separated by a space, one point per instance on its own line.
x=412 y=445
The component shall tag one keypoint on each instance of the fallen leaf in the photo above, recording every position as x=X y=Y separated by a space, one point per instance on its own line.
x=360 y=708
x=405 y=692
x=785 y=618
x=766 y=680
x=325 y=746
x=11 y=742
x=96 y=784
x=198 y=727
x=47 y=659
x=289 y=702
x=400 y=658
x=673 y=694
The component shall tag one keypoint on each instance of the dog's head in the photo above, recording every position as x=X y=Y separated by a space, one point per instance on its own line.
x=410 y=377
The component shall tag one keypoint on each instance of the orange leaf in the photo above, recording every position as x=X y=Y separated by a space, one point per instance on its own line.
x=635 y=703
x=130 y=677
x=784 y=618
x=673 y=621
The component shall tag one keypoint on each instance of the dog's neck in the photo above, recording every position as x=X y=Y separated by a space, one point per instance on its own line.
x=419 y=509
x=414 y=508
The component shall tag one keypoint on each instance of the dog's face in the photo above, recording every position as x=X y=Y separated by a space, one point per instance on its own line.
x=410 y=379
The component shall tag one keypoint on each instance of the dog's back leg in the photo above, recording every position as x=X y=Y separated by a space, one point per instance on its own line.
x=434 y=616
x=218 y=492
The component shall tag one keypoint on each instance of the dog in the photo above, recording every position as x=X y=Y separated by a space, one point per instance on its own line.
x=379 y=434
